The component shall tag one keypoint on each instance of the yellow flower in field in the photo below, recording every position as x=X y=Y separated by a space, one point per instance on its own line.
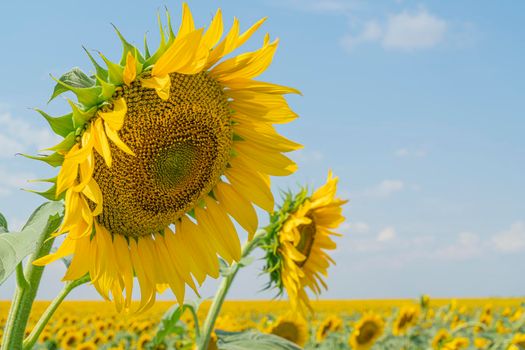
x=501 y=328
x=424 y=301
x=456 y=344
x=366 y=331
x=518 y=341
x=87 y=346
x=176 y=138
x=99 y=339
x=332 y=323
x=482 y=343
x=406 y=318
x=142 y=342
x=291 y=327
x=517 y=315
x=440 y=338
x=506 y=312
x=71 y=340
x=300 y=234
x=45 y=336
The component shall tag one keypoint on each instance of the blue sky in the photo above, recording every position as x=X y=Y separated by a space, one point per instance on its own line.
x=417 y=105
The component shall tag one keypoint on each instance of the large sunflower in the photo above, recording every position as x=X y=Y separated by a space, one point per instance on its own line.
x=299 y=235
x=159 y=152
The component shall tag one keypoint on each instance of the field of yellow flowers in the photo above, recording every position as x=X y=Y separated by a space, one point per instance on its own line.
x=342 y=324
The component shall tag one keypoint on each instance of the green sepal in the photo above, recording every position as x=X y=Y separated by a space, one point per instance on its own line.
x=127 y=47
x=61 y=125
x=81 y=117
x=107 y=89
x=54 y=159
x=115 y=71
x=50 y=180
x=65 y=144
x=171 y=37
x=101 y=71
x=147 y=55
x=162 y=46
x=49 y=194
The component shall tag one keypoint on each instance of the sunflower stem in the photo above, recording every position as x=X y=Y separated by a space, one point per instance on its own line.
x=223 y=289
x=50 y=310
x=25 y=295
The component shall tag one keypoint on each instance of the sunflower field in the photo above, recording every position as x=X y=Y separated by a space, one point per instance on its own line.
x=374 y=324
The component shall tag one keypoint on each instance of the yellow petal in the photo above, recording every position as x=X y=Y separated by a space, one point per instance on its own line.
x=161 y=85
x=115 y=118
x=113 y=136
x=101 y=142
x=130 y=70
x=237 y=206
x=180 y=56
x=186 y=25
x=214 y=32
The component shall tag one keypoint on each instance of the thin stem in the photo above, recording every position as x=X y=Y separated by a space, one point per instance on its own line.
x=46 y=316
x=195 y=322
x=25 y=295
x=224 y=287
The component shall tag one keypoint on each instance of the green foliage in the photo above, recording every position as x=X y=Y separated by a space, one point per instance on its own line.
x=15 y=246
x=252 y=340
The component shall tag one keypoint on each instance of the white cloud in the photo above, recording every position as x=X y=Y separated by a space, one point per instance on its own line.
x=410 y=31
x=468 y=245
x=511 y=240
x=386 y=234
x=409 y=153
x=385 y=188
x=10 y=181
x=307 y=157
x=405 y=31
x=355 y=227
x=17 y=135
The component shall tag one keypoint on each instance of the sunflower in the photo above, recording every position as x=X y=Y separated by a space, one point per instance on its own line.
x=298 y=237
x=482 y=343
x=143 y=341
x=366 y=331
x=440 y=338
x=87 y=346
x=71 y=340
x=406 y=318
x=160 y=152
x=330 y=324
x=456 y=344
x=518 y=341
x=291 y=327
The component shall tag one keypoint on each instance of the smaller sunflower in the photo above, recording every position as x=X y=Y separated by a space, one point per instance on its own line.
x=366 y=332
x=331 y=324
x=406 y=318
x=291 y=327
x=71 y=340
x=456 y=344
x=482 y=343
x=519 y=341
x=440 y=338
x=89 y=345
x=298 y=237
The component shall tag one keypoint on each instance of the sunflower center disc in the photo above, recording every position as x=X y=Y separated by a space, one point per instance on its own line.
x=182 y=147
x=367 y=332
x=306 y=243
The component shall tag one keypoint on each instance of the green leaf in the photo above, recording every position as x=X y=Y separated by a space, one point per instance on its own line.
x=73 y=80
x=169 y=324
x=15 y=246
x=53 y=159
x=252 y=340
x=87 y=96
x=3 y=224
x=61 y=125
